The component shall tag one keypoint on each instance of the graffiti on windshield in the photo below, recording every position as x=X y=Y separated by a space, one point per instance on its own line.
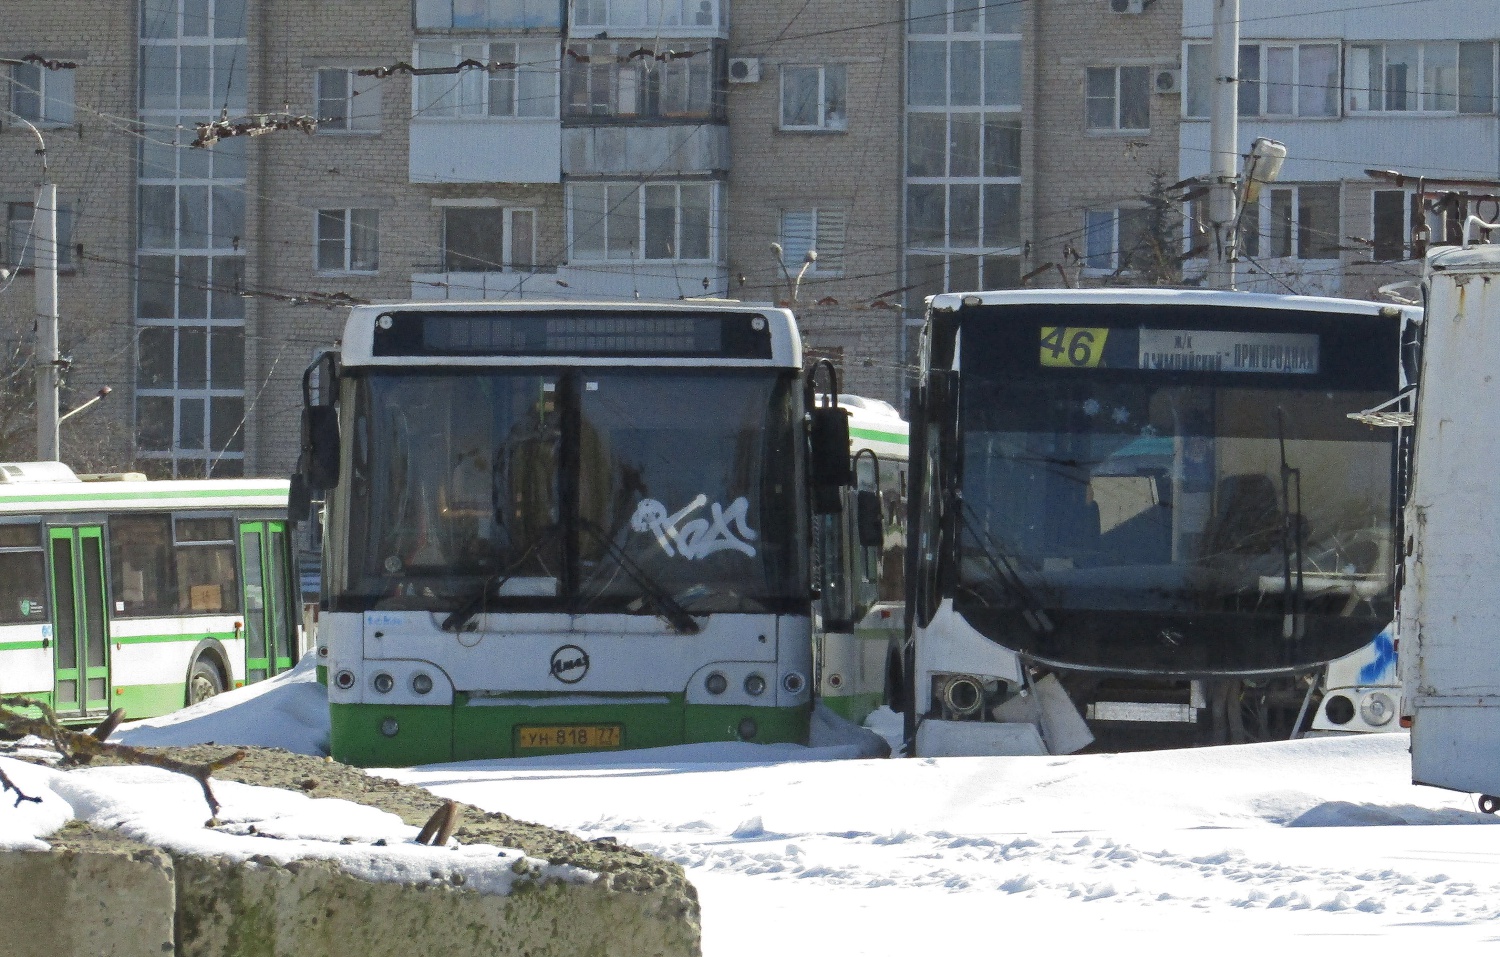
x=700 y=537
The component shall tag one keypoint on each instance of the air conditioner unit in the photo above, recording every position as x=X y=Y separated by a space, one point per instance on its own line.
x=1127 y=6
x=1167 y=81
x=744 y=70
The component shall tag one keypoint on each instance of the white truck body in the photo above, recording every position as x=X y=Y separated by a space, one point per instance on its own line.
x=1449 y=607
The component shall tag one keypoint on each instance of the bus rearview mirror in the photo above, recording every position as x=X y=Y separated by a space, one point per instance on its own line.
x=320 y=447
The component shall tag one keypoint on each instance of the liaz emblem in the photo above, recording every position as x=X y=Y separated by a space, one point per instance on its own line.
x=569 y=664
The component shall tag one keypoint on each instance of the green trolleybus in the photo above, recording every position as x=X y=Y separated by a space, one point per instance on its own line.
x=555 y=527
x=141 y=595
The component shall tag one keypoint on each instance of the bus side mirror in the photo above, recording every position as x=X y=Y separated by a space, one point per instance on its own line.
x=869 y=519
x=320 y=447
x=830 y=458
x=298 y=500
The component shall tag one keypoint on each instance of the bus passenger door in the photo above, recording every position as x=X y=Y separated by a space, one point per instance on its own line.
x=81 y=632
x=270 y=622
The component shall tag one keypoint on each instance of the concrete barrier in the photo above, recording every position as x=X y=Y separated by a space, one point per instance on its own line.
x=99 y=894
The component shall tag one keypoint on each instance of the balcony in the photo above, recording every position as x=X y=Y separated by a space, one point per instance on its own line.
x=645 y=150
x=486 y=150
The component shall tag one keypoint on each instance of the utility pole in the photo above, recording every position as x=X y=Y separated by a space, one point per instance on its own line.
x=1224 y=121
x=44 y=256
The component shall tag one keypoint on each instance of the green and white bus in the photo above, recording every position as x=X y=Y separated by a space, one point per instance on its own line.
x=141 y=595
x=565 y=526
x=855 y=666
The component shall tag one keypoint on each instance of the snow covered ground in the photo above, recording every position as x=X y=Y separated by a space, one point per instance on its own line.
x=1223 y=850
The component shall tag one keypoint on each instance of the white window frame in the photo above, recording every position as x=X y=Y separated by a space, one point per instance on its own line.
x=639 y=194
x=1093 y=226
x=470 y=94
x=1264 y=212
x=826 y=232
x=626 y=78
x=1358 y=97
x=534 y=14
x=54 y=90
x=1117 y=99
x=661 y=17
x=508 y=236
x=359 y=113
x=1198 y=59
x=827 y=120
x=345 y=240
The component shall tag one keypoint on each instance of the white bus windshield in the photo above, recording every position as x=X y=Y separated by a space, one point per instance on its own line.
x=589 y=490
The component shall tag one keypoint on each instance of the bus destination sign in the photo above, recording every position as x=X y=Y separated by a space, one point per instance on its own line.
x=1179 y=350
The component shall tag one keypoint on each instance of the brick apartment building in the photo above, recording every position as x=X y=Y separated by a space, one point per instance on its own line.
x=657 y=150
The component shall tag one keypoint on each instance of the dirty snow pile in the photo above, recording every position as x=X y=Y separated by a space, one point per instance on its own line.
x=168 y=810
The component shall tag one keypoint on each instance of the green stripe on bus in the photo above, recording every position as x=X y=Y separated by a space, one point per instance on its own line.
x=158 y=639
x=95 y=496
x=23 y=645
x=879 y=436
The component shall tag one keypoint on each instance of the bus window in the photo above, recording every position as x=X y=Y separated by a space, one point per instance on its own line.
x=141 y=579
x=207 y=582
x=23 y=583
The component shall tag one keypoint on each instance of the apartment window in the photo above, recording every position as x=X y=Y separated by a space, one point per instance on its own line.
x=486 y=14
x=527 y=88
x=963 y=215
x=626 y=81
x=684 y=14
x=488 y=239
x=347 y=103
x=814 y=98
x=190 y=216
x=1419 y=77
x=19 y=251
x=642 y=221
x=1302 y=222
x=1116 y=240
x=962 y=16
x=958 y=72
x=1393 y=213
x=1117 y=98
x=1275 y=79
x=42 y=96
x=819 y=229
x=348 y=240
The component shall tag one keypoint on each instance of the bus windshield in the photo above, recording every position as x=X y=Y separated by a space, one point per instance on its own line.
x=590 y=490
x=1178 y=500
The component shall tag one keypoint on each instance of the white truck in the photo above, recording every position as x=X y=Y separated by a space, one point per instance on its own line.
x=1449 y=605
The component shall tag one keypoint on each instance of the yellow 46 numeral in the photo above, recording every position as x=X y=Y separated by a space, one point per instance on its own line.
x=1072 y=348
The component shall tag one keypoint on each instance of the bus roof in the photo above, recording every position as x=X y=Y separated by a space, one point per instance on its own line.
x=34 y=498
x=948 y=302
x=359 y=347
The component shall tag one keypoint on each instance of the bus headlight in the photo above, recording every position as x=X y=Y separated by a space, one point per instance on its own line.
x=755 y=685
x=344 y=679
x=748 y=729
x=1339 y=709
x=383 y=683
x=963 y=695
x=716 y=683
x=793 y=682
x=1377 y=708
x=389 y=727
x=421 y=682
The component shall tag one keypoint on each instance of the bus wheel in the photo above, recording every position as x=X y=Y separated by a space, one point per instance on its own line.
x=204 y=681
x=1488 y=803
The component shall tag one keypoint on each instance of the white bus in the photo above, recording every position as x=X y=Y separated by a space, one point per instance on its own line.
x=564 y=526
x=141 y=595
x=854 y=666
x=1143 y=517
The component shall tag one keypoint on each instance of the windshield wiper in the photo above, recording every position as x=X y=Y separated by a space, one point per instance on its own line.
x=1291 y=538
x=464 y=614
x=666 y=606
x=1008 y=576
